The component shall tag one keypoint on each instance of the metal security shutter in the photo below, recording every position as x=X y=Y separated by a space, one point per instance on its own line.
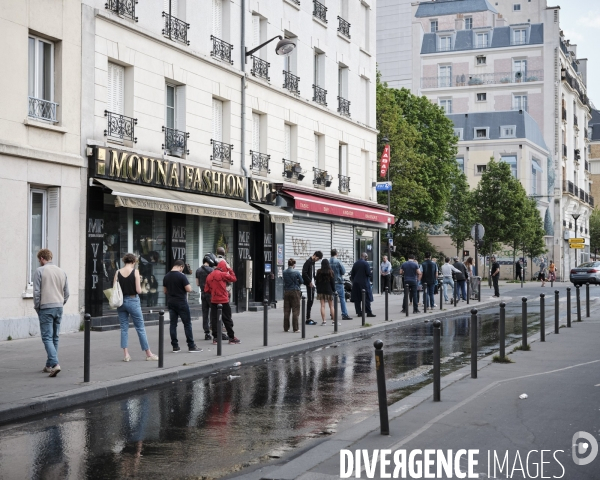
x=343 y=242
x=305 y=237
x=217 y=120
x=116 y=79
x=217 y=19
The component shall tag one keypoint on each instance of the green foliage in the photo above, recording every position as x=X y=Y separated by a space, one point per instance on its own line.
x=505 y=359
x=548 y=226
x=9 y=338
x=595 y=228
x=460 y=213
x=414 y=240
x=532 y=232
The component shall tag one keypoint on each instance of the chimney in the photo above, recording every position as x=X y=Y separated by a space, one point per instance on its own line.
x=459 y=23
x=500 y=21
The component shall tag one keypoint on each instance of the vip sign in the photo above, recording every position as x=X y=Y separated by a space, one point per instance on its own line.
x=385 y=161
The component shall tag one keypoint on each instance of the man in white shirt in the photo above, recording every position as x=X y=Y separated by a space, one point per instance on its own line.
x=447 y=271
x=386 y=275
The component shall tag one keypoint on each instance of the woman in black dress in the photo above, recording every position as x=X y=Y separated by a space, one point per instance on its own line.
x=325 y=288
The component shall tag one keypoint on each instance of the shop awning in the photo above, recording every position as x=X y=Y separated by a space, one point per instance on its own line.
x=152 y=198
x=277 y=214
x=312 y=203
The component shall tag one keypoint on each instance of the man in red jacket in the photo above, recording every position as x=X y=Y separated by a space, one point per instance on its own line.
x=216 y=285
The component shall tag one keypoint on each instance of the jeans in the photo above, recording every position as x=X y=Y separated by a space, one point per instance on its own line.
x=183 y=311
x=495 y=282
x=291 y=304
x=205 y=312
x=49 y=330
x=429 y=295
x=131 y=306
x=339 y=288
x=461 y=289
x=412 y=289
x=447 y=281
x=225 y=318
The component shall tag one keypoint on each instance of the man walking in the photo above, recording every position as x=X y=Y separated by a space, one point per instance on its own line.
x=447 y=271
x=386 y=275
x=308 y=274
x=361 y=275
x=339 y=271
x=291 y=296
x=461 y=279
x=50 y=293
x=208 y=263
x=216 y=286
x=412 y=274
x=495 y=276
x=430 y=278
x=519 y=269
x=176 y=288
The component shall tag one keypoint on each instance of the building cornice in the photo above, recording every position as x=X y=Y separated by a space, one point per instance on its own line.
x=30 y=153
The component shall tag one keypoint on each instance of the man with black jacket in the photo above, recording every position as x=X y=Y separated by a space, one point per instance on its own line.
x=430 y=278
x=461 y=279
x=308 y=273
x=208 y=265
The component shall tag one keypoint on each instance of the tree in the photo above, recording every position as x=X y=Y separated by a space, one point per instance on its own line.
x=531 y=235
x=416 y=241
x=595 y=229
x=460 y=214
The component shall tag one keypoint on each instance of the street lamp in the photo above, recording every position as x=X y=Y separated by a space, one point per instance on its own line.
x=575 y=216
x=284 y=46
x=386 y=141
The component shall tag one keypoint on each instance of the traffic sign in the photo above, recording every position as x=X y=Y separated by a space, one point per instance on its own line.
x=383 y=186
x=576 y=240
x=391 y=241
x=480 y=231
x=578 y=246
x=389 y=235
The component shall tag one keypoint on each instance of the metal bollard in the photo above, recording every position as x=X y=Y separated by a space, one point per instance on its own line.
x=303 y=316
x=436 y=360
x=542 y=318
x=568 y=307
x=386 y=304
x=219 y=329
x=265 y=322
x=468 y=290
x=406 y=302
x=502 y=328
x=587 y=300
x=161 y=338
x=381 y=391
x=474 y=343
x=524 y=322
x=425 y=298
x=441 y=296
x=335 y=312
x=578 y=297
x=454 y=292
x=364 y=306
x=556 y=308
x=87 y=325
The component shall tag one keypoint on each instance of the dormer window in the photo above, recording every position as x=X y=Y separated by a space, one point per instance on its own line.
x=433 y=26
x=445 y=43
x=468 y=23
x=481 y=133
x=519 y=36
x=482 y=40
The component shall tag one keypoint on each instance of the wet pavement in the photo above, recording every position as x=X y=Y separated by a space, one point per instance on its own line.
x=234 y=418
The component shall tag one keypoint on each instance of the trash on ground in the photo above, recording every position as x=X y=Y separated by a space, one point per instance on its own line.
x=523 y=396
x=231 y=377
x=237 y=364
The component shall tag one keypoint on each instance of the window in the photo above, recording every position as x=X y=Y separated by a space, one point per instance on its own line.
x=434 y=26
x=519 y=70
x=116 y=80
x=481 y=60
x=318 y=68
x=290 y=61
x=517 y=7
x=536 y=176
x=481 y=133
x=519 y=36
x=217 y=19
x=257 y=36
x=446 y=105
x=367 y=19
x=482 y=40
x=43 y=226
x=479 y=169
x=445 y=76
x=508 y=131
x=468 y=23
x=255 y=132
x=482 y=97
x=217 y=120
x=343 y=159
x=520 y=102
x=175 y=107
x=459 y=133
x=445 y=44
x=287 y=141
x=342 y=81
x=41 y=79
x=512 y=163
x=461 y=163
x=319 y=150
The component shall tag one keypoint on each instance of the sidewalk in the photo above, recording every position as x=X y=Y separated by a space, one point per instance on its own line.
x=31 y=392
x=561 y=378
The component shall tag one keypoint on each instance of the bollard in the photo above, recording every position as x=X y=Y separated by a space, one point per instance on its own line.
x=524 y=322
x=436 y=360
x=474 y=343
x=578 y=297
x=425 y=298
x=303 y=316
x=386 y=304
x=568 y=307
x=542 y=318
x=364 y=307
x=265 y=322
x=219 y=328
x=454 y=292
x=441 y=296
x=502 y=328
x=335 y=312
x=381 y=391
x=87 y=325
x=406 y=302
x=468 y=290
x=161 y=338
x=587 y=300
x=556 y=308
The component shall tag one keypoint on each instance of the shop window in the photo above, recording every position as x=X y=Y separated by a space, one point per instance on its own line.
x=43 y=226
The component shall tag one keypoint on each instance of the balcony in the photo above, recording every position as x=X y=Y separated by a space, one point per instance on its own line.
x=591 y=201
x=221 y=50
x=319 y=11
x=564 y=114
x=260 y=163
x=123 y=8
x=577 y=154
x=344 y=186
x=565 y=151
x=175 y=142
x=321 y=179
x=320 y=95
x=575 y=121
x=587 y=198
x=343 y=27
x=175 y=29
x=221 y=155
x=42 y=109
x=581 y=195
x=587 y=166
x=343 y=107
x=290 y=82
x=292 y=171
x=119 y=127
x=260 y=68
x=482 y=79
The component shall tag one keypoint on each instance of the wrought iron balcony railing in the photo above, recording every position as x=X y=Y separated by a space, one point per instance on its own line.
x=123 y=8
x=344 y=184
x=564 y=114
x=319 y=11
x=292 y=171
x=221 y=152
x=343 y=106
x=221 y=50
x=175 y=141
x=322 y=178
x=42 y=109
x=564 y=151
x=260 y=68
x=482 y=79
x=320 y=95
x=260 y=162
x=120 y=127
x=290 y=82
x=575 y=121
x=591 y=201
x=581 y=194
x=343 y=27
x=587 y=166
x=175 y=29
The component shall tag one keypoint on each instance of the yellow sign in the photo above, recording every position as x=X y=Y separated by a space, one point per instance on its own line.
x=576 y=240
x=577 y=245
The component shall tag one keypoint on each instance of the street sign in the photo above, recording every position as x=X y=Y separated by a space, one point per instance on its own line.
x=576 y=240
x=480 y=231
x=389 y=235
x=391 y=241
x=383 y=186
x=578 y=246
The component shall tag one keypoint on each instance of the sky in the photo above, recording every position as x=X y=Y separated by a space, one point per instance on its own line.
x=580 y=21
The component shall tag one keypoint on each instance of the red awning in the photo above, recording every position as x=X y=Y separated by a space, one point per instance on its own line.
x=312 y=203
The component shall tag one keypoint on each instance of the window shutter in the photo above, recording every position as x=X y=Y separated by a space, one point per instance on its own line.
x=287 y=147
x=316 y=151
x=344 y=160
x=218 y=18
x=180 y=108
x=256 y=132
x=218 y=120
x=116 y=78
x=53 y=222
x=256 y=34
x=173 y=7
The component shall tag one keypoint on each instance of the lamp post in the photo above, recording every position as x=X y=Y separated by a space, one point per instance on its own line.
x=575 y=216
x=386 y=141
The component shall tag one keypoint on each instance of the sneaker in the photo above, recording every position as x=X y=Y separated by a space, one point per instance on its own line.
x=194 y=349
x=47 y=370
x=416 y=311
x=151 y=357
x=346 y=317
x=234 y=341
x=224 y=337
x=127 y=359
x=176 y=349
x=215 y=341
x=310 y=322
x=54 y=371
x=371 y=315
x=207 y=336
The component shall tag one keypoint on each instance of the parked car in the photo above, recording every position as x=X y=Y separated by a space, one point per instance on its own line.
x=586 y=272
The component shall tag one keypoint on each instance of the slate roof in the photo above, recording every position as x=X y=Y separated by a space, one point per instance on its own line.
x=452 y=7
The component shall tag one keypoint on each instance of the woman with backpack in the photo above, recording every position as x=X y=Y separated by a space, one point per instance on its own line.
x=325 y=288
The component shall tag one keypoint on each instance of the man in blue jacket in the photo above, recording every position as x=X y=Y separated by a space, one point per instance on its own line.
x=339 y=271
x=361 y=280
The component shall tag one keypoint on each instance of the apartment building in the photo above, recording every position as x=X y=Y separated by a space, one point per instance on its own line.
x=198 y=139
x=593 y=155
x=40 y=153
x=515 y=89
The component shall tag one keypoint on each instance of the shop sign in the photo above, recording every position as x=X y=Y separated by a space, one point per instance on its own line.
x=113 y=164
x=259 y=190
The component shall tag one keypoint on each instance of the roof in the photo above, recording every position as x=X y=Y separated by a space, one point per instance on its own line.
x=527 y=127
x=594 y=123
x=452 y=7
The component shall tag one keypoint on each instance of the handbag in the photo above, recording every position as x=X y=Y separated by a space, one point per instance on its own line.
x=116 y=297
